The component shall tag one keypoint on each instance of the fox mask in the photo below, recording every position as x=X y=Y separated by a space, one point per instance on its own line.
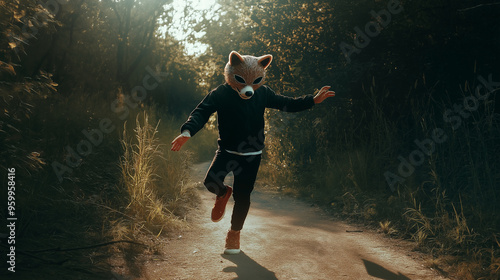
x=246 y=73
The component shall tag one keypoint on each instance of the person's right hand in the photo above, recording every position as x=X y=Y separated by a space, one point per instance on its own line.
x=178 y=142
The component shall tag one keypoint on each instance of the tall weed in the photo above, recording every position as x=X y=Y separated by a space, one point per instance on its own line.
x=154 y=180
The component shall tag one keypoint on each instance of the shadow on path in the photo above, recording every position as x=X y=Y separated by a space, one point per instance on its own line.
x=379 y=271
x=247 y=269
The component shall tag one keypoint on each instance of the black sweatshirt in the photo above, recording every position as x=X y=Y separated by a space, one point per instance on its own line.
x=240 y=121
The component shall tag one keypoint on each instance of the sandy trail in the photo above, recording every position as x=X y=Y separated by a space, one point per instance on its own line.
x=283 y=238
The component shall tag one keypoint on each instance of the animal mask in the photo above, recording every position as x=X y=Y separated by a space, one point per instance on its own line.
x=246 y=73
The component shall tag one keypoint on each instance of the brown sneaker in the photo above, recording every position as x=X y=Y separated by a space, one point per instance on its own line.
x=220 y=205
x=232 y=242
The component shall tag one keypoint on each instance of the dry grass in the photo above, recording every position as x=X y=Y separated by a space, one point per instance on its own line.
x=155 y=182
x=387 y=228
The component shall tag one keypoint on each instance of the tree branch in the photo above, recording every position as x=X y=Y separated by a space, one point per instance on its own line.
x=87 y=247
x=478 y=6
x=37 y=257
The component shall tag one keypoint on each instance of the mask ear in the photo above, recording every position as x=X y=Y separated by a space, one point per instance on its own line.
x=235 y=58
x=265 y=60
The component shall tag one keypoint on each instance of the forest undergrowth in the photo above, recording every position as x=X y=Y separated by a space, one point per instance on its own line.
x=433 y=180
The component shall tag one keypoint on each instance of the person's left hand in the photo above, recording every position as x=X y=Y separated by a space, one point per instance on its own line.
x=323 y=94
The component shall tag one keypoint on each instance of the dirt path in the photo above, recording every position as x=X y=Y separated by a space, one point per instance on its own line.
x=282 y=239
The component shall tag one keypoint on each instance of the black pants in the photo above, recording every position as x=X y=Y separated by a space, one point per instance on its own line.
x=245 y=170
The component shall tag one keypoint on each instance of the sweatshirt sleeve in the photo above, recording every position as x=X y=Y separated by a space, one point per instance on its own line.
x=288 y=104
x=200 y=114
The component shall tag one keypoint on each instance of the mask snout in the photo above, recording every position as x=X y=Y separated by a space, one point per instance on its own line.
x=246 y=92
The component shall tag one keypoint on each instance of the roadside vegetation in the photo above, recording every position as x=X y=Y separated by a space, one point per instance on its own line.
x=95 y=181
x=448 y=205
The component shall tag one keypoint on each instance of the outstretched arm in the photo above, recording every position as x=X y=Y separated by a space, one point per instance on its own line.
x=323 y=94
x=297 y=104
